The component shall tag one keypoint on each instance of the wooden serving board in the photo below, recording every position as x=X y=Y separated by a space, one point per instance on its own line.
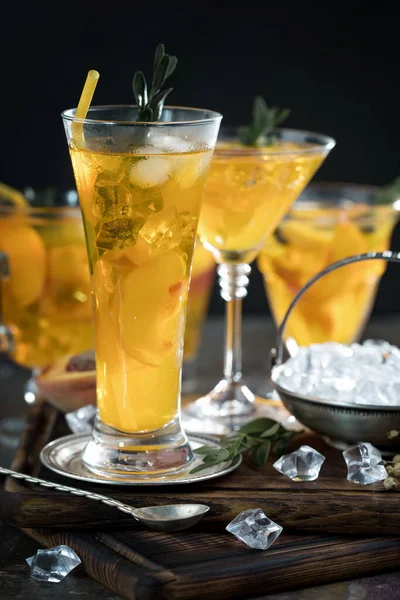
x=330 y=504
x=206 y=562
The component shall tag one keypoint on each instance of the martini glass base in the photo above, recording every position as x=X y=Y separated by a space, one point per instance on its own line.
x=226 y=408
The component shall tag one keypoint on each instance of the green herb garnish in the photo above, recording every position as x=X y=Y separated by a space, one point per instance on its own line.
x=256 y=439
x=265 y=120
x=389 y=193
x=150 y=105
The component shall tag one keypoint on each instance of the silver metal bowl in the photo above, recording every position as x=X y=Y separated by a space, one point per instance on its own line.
x=342 y=422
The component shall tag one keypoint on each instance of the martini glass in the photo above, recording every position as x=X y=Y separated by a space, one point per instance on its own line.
x=249 y=191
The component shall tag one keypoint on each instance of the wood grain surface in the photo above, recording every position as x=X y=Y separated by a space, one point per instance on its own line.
x=199 y=564
x=330 y=504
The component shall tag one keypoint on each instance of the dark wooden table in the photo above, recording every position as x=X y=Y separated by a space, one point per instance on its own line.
x=15 y=581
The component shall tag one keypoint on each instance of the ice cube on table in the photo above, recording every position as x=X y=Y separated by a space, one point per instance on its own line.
x=53 y=564
x=255 y=529
x=363 y=464
x=304 y=464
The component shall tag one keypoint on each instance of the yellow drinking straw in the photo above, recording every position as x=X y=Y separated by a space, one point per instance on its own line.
x=83 y=105
x=14 y=196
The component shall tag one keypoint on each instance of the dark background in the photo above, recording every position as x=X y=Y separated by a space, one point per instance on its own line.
x=336 y=68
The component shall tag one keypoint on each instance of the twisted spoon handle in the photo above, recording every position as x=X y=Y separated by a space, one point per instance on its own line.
x=71 y=490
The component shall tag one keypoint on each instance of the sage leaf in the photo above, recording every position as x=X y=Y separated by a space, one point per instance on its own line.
x=259 y=454
x=258 y=425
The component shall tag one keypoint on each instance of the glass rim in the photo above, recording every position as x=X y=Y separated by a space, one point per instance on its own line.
x=327 y=144
x=338 y=205
x=212 y=117
x=338 y=186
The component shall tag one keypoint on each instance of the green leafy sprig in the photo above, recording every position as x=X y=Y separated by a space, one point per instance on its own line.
x=256 y=439
x=389 y=193
x=150 y=105
x=265 y=120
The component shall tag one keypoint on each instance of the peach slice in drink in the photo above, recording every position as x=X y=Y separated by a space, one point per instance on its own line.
x=139 y=356
x=150 y=296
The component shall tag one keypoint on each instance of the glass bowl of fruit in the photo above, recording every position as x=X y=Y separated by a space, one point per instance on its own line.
x=329 y=222
x=45 y=288
x=45 y=298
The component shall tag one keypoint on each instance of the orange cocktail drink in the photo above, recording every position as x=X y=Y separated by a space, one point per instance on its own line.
x=140 y=212
x=248 y=193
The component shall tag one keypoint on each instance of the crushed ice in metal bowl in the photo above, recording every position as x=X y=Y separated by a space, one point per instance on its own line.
x=367 y=373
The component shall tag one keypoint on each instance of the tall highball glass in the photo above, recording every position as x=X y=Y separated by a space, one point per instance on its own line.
x=140 y=188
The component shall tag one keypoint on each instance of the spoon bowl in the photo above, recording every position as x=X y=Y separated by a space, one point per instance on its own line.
x=171 y=517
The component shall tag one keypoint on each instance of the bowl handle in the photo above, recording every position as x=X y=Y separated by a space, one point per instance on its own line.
x=276 y=354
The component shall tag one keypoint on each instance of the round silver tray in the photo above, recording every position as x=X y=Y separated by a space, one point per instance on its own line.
x=63 y=456
x=341 y=421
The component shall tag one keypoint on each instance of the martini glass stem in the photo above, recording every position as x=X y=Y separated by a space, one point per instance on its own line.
x=233 y=339
x=230 y=403
x=233 y=280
